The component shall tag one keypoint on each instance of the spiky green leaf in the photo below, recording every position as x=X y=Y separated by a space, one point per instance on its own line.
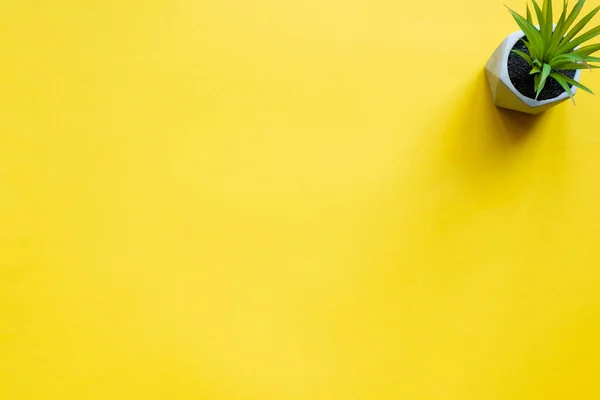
x=572 y=17
x=587 y=50
x=546 y=69
x=532 y=50
x=531 y=32
x=577 y=28
x=559 y=78
x=548 y=22
x=569 y=57
x=556 y=34
x=573 y=82
x=592 y=33
x=573 y=66
x=542 y=23
x=524 y=56
x=539 y=14
x=536 y=81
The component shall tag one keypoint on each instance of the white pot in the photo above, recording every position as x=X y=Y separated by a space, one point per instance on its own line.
x=504 y=93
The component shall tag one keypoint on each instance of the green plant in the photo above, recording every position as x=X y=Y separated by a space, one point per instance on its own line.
x=554 y=49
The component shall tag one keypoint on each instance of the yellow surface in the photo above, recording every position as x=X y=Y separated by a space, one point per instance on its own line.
x=288 y=200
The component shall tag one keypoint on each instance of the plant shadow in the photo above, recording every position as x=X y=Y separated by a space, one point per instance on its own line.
x=486 y=159
x=479 y=138
x=484 y=171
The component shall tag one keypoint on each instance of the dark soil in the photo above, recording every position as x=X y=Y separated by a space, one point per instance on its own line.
x=518 y=71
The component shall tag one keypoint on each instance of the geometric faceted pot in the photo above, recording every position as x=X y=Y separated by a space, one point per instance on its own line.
x=503 y=91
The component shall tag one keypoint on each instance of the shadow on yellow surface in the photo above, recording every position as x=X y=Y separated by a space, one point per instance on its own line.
x=489 y=131
x=481 y=139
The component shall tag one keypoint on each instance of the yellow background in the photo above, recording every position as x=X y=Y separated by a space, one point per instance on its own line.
x=273 y=200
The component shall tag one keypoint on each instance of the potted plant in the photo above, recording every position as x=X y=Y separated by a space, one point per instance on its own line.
x=540 y=66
